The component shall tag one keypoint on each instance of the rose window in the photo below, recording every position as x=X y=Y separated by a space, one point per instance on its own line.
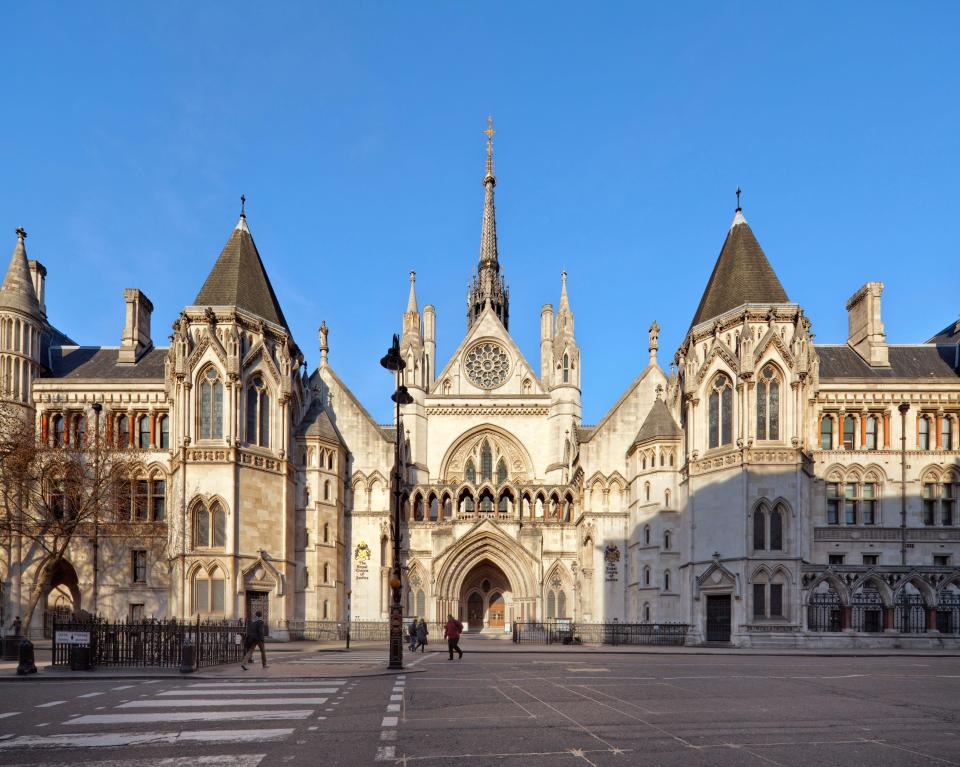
x=487 y=365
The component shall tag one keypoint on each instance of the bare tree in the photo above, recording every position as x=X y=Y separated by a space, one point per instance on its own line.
x=56 y=491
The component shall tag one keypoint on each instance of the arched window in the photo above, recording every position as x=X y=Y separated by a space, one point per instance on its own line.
x=849 y=432
x=923 y=433
x=163 y=427
x=219 y=520
x=123 y=431
x=326 y=573
x=326 y=532
x=467 y=503
x=759 y=529
x=721 y=412
x=211 y=405
x=646 y=612
x=566 y=368
x=143 y=432
x=503 y=503
x=418 y=509
x=258 y=413
x=58 y=431
x=471 y=473
x=646 y=576
x=486 y=502
x=326 y=609
x=330 y=461
x=946 y=433
x=434 y=508
x=421 y=603
x=643 y=463
x=158 y=498
x=208 y=592
x=776 y=530
x=562 y=604
x=326 y=490
x=551 y=606
x=666 y=499
x=80 y=431
x=826 y=432
x=666 y=580
x=201 y=527
x=666 y=540
x=646 y=535
x=501 y=472
x=209 y=526
x=486 y=463
x=646 y=490
x=943 y=494
x=768 y=404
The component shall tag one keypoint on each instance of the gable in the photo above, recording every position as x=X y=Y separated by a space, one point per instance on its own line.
x=487 y=362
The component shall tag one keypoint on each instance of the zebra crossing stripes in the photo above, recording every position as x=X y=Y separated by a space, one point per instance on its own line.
x=350 y=658
x=249 y=713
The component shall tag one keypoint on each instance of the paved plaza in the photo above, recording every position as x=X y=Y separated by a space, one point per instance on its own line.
x=498 y=708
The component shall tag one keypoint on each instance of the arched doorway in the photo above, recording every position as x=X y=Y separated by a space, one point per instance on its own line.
x=487 y=595
x=62 y=597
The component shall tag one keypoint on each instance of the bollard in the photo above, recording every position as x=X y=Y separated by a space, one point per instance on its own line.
x=186 y=657
x=27 y=664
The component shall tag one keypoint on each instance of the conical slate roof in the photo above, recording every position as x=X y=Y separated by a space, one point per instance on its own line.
x=17 y=290
x=742 y=275
x=239 y=279
x=317 y=423
x=659 y=424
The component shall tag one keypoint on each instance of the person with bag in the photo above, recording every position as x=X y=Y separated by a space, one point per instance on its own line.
x=421 y=636
x=255 y=637
x=412 y=634
x=452 y=632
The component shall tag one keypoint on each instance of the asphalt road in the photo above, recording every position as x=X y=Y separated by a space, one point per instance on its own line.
x=506 y=709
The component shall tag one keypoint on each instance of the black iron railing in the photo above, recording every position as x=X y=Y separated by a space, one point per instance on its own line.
x=336 y=631
x=150 y=643
x=824 y=611
x=570 y=633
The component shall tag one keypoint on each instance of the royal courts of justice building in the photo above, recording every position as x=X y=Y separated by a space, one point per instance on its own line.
x=751 y=487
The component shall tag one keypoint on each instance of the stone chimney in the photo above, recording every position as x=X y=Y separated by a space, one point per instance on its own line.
x=136 y=329
x=866 y=335
x=38 y=273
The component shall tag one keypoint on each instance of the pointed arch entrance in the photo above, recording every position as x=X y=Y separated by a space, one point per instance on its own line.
x=486 y=594
x=61 y=597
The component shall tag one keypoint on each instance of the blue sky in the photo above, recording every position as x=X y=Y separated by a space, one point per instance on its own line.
x=354 y=129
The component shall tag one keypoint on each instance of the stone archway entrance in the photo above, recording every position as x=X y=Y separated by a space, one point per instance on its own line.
x=487 y=596
x=62 y=597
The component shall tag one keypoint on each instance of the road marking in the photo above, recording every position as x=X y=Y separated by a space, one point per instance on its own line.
x=189 y=716
x=390 y=721
x=90 y=695
x=396 y=697
x=388 y=735
x=190 y=703
x=386 y=753
x=116 y=739
x=393 y=707
x=278 y=683
x=51 y=703
x=123 y=687
x=249 y=691
x=9 y=714
x=233 y=760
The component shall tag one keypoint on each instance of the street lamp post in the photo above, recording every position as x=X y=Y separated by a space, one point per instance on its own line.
x=393 y=362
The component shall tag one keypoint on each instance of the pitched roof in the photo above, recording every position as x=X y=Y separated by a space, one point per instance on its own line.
x=239 y=279
x=914 y=363
x=949 y=335
x=17 y=290
x=317 y=423
x=742 y=275
x=101 y=362
x=658 y=424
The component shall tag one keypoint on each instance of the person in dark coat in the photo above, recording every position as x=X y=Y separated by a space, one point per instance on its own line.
x=255 y=637
x=412 y=634
x=452 y=632
x=421 y=636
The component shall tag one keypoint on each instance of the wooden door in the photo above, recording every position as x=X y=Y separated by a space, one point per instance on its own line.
x=475 y=611
x=718 y=618
x=497 y=609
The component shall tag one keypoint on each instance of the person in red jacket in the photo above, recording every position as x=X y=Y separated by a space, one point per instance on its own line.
x=452 y=632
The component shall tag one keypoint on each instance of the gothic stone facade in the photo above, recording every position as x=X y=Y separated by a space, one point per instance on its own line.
x=763 y=490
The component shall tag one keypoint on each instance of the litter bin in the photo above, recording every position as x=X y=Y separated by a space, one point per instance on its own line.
x=80 y=658
x=187 y=657
x=26 y=659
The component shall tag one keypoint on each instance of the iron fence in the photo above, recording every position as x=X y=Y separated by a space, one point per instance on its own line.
x=824 y=611
x=866 y=613
x=570 y=633
x=910 y=614
x=149 y=643
x=948 y=613
x=336 y=631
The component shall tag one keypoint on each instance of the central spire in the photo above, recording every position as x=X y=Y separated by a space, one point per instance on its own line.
x=488 y=287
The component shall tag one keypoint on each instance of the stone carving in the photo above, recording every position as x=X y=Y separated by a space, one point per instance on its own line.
x=487 y=365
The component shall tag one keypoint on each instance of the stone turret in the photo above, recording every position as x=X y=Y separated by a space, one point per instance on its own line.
x=21 y=323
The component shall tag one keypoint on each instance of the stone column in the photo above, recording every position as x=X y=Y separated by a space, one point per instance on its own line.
x=886 y=429
x=153 y=429
x=846 y=618
x=888 y=619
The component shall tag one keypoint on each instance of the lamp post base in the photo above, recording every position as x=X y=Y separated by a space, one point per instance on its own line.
x=396 y=637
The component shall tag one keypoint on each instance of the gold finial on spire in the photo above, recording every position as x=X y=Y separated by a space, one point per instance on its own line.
x=489 y=133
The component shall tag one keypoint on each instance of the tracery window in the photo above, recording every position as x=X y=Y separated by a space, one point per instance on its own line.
x=721 y=412
x=471 y=473
x=258 y=413
x=209 y=526
x=486 y=463
x=211 y=405
x=566 y=368
x=768 y=528
x=768 y=404
x=208 y=591
x=501 y=472
x=856 y=500
x=940 y=499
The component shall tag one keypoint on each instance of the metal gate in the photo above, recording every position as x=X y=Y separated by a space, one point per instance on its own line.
x=259 y=600
x=910 y=614
x=718 y=618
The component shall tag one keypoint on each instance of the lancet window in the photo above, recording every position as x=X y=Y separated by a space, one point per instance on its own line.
x=721 y=412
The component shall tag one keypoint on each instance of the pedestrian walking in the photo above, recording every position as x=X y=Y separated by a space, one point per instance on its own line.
x=255 y=636
x=412 y=634
x=16 y=626
x=421 y=636
x=452 y=632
